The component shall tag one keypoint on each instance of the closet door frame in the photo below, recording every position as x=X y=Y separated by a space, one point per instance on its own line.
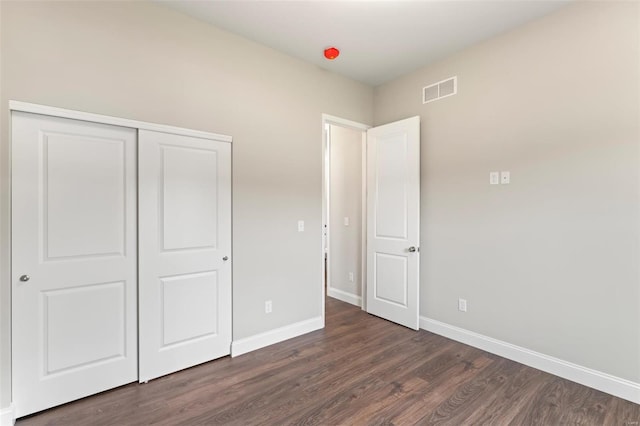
x=116 y=121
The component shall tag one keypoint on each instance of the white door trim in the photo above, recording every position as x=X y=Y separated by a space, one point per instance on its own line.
x=7 y=417
x=337 y=121
x=116 y=121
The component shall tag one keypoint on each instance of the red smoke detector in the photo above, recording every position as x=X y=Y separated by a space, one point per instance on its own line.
x=331 y=53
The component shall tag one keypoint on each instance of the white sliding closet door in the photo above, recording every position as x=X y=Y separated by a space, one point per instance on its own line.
x=73 y=260
x=185 y=249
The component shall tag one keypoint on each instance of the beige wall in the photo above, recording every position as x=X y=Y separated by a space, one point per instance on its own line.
x=142 y=61
x=551 y=261
x=345 y=200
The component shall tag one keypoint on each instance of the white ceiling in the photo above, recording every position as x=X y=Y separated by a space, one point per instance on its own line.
x=378 y=40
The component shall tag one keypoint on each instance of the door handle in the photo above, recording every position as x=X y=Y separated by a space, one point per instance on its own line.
x=225 y=258
x=25 y=278
x=413 y=249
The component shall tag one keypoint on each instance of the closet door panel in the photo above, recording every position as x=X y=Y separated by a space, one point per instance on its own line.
x=74 y=260
x=185 y=249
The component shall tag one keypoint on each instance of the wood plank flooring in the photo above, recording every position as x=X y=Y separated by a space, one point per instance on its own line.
x=359 y=370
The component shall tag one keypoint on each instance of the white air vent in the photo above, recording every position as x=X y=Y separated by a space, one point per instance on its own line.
x=439 y=90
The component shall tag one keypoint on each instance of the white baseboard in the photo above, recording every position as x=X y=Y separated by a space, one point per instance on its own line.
x=344 y=296
x=248 y=344
x=604 y=382
x=7 y=416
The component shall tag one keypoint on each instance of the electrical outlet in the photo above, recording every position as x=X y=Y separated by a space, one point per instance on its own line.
x=505 y=178
x=268 y=307
x=351 y=276
x=301 y=226
x=462 y=305
x=346 y=221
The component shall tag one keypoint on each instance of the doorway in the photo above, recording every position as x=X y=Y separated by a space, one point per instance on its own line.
x=371 y=217
x=344 y=209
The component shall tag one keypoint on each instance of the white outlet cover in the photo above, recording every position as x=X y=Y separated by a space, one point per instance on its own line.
x=346 y=221
x=494 y=178
x=301 y=226
x=505 y=178
x=462 y=305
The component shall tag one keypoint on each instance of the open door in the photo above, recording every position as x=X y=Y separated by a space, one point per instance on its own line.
x=393 y=221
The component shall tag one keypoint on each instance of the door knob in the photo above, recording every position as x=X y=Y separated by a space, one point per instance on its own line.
x=25 y=278
x=225 y=258
x=412 y=249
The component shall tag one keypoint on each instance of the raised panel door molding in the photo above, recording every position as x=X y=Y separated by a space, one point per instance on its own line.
x=84 y=196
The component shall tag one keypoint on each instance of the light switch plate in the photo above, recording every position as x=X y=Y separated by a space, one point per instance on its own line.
x=346 y=221
x=494 y=178
x=301 y=226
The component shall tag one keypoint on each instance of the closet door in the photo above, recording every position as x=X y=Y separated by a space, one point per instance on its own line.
x=184 y=251
x=73 y=260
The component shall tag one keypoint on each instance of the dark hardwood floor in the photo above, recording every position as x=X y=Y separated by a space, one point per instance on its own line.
x=359 y=370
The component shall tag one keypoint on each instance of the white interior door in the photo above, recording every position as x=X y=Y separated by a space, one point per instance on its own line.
x=73 y=260
x=393 y=221
x=185 y=249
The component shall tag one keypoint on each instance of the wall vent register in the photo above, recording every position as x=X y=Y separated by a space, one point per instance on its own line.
x=439 y=90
